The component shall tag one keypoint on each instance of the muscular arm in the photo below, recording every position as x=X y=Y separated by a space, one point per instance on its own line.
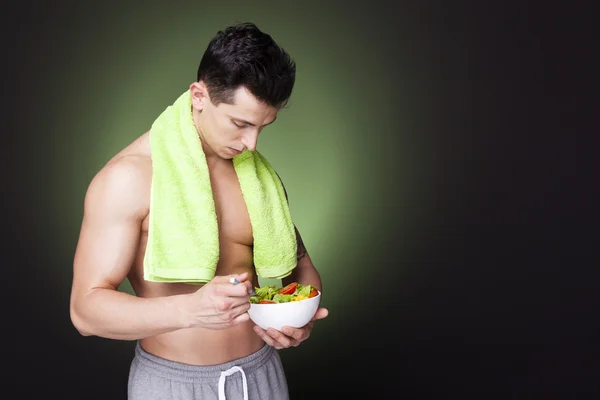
x=305 y=272
x=115 y=206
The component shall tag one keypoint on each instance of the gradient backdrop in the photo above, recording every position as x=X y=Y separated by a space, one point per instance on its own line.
x=403 y=154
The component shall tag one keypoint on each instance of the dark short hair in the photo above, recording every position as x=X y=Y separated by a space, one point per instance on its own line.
x=244 y=56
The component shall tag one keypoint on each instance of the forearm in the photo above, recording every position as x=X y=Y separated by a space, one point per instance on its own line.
x=117 y=315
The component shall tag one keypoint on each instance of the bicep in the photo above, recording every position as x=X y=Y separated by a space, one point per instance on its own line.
x=105 y=252
x=301 y=249
x=110 y=231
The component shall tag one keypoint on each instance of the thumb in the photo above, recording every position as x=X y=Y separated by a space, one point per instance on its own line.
x=239 y=277
x=320 y=314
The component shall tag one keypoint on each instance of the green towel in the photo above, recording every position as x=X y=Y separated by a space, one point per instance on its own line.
x=183 y=237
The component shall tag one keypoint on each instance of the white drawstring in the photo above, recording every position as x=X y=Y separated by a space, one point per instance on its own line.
x=227 y=373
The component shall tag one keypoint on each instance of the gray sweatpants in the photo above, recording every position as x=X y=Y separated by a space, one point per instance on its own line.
x=259 y=376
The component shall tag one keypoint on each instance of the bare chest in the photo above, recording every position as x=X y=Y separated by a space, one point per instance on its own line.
x=232 y=213
x=235 y=237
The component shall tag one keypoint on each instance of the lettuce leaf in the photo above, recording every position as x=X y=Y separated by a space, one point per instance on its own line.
x=269 y=292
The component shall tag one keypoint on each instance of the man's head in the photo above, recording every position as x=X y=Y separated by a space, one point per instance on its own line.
x=244 y=78
x=243 y=55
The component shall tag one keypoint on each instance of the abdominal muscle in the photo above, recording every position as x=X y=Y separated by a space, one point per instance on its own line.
x=200 y=346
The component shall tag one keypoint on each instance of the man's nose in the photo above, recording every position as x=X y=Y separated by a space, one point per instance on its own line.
x=250 y=139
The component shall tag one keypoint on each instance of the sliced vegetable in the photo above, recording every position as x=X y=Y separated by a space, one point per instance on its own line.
x=289 y=289
x=294 y=291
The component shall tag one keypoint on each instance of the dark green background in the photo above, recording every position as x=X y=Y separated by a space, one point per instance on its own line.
x=427 y=155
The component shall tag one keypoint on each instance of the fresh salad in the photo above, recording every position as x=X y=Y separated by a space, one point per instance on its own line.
x=271 y=294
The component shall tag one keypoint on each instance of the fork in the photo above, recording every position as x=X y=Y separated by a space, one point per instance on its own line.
x=234 y=281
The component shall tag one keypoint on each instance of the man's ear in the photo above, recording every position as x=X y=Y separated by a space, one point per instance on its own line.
x=199 y=93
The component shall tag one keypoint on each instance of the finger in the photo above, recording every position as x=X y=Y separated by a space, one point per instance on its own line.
x=236 y=290
x=300 y=335
x=241 y=308
x=280 y=338
x=320 y=314
x=226 y=312
x=266 y=338
x=242 y=278
x=232 y=304
x=237 y=278
x=248 y=286
x=296 y=333
x=241 y=318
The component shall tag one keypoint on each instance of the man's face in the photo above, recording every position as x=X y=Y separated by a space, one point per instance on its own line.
x=229 y=129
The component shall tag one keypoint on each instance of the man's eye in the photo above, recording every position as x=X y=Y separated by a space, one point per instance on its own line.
x=238 y=125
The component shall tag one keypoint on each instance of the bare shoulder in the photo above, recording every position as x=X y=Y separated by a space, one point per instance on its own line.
x=122 y=186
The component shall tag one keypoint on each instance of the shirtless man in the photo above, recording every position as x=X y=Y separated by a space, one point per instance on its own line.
x=192 y=338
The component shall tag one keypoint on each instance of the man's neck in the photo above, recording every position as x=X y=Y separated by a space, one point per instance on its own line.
x=211 y=157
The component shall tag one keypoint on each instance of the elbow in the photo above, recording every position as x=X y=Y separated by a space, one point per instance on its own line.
x=78 y=321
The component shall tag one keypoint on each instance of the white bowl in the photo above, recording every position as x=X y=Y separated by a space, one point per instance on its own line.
x=295 y=313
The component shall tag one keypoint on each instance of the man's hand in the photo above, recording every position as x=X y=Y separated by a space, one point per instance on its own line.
x=288 y=336
x=219 y=304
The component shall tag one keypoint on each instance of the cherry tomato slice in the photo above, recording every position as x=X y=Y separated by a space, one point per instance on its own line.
x=313 y=293
x=289 y=289
x=266 y=302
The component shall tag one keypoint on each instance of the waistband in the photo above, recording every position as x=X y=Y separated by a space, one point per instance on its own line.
x=181 y=372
